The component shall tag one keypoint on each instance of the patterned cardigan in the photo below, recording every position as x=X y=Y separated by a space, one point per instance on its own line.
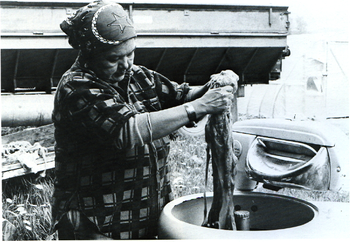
x=120 y=188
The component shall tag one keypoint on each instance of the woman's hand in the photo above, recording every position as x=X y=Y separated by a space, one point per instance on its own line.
x=224 y=78
x=214 y=101
x=221 y=86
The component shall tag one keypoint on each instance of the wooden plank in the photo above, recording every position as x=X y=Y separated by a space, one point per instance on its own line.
x=22 y=171
x=49 y=157
x=44 y=135
x=15 y=170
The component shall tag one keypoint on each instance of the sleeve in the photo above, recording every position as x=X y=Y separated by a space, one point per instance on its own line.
x=96 y=113
x=137 y=131
x=170 y=93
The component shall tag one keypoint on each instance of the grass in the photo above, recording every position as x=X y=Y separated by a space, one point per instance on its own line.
x=187 y=161
x=10 y=130
x=26 y=209
x=321 y=196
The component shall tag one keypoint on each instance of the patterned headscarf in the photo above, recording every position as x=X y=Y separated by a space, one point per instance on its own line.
x=98 y=24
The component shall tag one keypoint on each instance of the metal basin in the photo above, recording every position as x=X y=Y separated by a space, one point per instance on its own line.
x=271 y=216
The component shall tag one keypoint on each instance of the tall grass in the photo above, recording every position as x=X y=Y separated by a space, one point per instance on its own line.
x=187 y=162
x=26 y=208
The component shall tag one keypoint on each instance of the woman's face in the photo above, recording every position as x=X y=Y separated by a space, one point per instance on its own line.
x=111 y=64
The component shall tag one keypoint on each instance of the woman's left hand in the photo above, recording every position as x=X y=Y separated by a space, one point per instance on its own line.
x=224 y=78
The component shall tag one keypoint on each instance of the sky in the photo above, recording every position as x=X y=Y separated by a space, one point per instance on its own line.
x=321 y=15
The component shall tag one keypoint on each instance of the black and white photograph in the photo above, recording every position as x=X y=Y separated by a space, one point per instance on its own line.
x=175 y=119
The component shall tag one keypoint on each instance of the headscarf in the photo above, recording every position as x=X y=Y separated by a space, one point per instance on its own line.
x=98 y=24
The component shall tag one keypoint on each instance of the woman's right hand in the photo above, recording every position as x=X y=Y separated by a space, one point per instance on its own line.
x=214 y=101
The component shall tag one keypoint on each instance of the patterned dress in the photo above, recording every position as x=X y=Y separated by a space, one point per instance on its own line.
x=118 y=186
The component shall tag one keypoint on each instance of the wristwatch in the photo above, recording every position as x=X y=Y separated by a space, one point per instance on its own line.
x=191 y=113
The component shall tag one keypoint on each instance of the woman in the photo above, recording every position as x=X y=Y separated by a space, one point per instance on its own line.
x=112 y=121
